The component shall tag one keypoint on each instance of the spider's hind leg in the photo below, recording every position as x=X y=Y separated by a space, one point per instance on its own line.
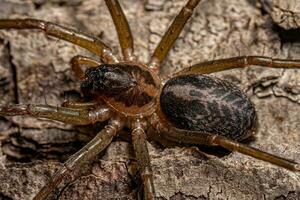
x=253 y=152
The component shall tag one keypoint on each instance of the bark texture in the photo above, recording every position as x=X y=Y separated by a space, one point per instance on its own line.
x=284 y=13
x=35 y=69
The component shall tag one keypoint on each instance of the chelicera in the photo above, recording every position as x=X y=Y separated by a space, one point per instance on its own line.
x=189 y=108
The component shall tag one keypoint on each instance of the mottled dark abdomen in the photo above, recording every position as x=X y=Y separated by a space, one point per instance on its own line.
x=205 y=104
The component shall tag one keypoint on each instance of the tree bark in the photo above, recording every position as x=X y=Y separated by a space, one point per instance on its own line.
x=35 y=69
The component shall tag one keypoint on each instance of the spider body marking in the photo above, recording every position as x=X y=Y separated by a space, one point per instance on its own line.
x=208 y=105
x=189 y=108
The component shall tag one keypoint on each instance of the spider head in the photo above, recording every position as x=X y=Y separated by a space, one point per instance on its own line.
x=107 y=79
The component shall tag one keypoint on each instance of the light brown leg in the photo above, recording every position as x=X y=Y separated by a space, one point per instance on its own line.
x=66 y=115
x=123 y=29
x=238 y=62
x=171 y=35
x=139 y=141
x=80 y=105
x=89 y=151
x=90 y=43
x=194 y=137
x=77 y=61
x=256 y=153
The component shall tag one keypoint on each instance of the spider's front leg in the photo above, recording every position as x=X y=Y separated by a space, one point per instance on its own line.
x=92 y=44
x=139 y=141
x=170 y=36
x=67 y=115
x=95 y=146
x=123 y=29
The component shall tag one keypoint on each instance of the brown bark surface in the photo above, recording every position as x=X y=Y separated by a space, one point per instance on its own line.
x=35 y=69
x=285 y=13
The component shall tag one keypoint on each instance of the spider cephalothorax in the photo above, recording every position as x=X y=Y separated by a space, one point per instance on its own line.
x=108 y=80
x=129 y=88
x=189 y=109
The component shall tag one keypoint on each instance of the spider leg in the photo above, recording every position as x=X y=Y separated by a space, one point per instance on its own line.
x=85 y=41
x=253 y=152
x=171 y=35
x=232 y=145
x=80 y=105
x=123 y=29
x=193 y=137
x=62 y=114
x=238 y=62
x=139 y=141
x=95 y=146
x=82 y=60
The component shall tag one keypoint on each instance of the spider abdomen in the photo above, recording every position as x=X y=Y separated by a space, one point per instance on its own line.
x=210 y=105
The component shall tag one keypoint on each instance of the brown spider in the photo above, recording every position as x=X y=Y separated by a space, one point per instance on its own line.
x=188 y=108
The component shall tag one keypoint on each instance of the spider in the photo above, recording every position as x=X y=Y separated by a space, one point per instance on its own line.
x=188 y=108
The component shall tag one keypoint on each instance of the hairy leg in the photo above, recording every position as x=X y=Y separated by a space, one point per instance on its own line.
x=239 y=62
x=171 y=35
x=85 y=41
x=141 y=151
x=77 y=61
x=123 y=29
x=62 y=114
x=89 y=151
